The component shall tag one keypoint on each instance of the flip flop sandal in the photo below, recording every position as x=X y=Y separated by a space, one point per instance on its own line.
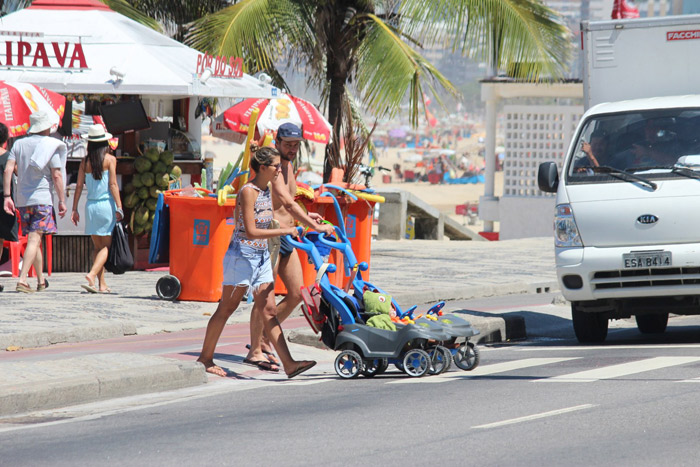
x=212 y=370
x=44 y=286
x=301 y=369
x=268 y=355
x=90 y=288
x=263 y=365
x=24 y=288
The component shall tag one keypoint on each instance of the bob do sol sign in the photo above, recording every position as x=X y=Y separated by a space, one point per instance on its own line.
x=34 y=50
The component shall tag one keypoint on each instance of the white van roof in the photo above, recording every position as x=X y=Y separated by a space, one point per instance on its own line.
x=651 y=103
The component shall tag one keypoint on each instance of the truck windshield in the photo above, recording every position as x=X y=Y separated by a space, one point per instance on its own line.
x=651 y=144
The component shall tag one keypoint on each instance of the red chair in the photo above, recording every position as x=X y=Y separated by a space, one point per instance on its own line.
x=17 y=248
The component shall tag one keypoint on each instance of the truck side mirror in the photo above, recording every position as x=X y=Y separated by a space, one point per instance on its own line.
x=548 y=177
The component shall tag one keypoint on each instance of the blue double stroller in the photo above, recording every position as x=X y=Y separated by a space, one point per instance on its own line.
x=420 y=345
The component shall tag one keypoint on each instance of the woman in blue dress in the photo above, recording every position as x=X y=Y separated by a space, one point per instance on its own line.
x=103 y=207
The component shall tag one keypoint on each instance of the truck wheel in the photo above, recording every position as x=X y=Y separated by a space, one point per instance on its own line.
x=589 y=327
x=654 y=323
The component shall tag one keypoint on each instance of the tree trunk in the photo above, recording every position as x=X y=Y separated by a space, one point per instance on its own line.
x=337 y=69
x=335 y=117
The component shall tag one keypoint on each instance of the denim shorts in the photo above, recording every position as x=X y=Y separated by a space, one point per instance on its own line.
x=247 y=267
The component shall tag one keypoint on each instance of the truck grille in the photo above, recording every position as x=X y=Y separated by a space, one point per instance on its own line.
x=661 y=277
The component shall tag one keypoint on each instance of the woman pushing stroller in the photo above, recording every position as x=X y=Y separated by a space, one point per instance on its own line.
x=247 y=265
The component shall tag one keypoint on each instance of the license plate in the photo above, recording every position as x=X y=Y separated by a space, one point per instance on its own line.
x=657 y=259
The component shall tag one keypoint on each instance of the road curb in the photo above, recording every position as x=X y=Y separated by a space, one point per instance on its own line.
x=470 y=292
x=50 y=384
x=73 y=334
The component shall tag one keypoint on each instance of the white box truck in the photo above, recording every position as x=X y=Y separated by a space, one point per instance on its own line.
x=627 y=220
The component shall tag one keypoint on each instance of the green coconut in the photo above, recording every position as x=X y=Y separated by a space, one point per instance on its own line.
x=138 y=229
x=131 y=200
x=154 y=191
x=167 y=157
x=143 y=192
x=176 y=172
x=136 y=181
x=163 y=181
x=148 y=179
x=142 y=164
x=151 y=204
x=159 y=168
x=141 y=216
x=152 y=154
x=129 y=188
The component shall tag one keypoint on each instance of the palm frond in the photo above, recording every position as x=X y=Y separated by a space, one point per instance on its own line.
x=124 y=8
x=358 y=138
x=247 y=29
x=388 y=70
x=524 y=37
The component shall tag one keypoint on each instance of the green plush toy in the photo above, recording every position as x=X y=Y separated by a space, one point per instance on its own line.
x=377 y=303
x=381 y=322
x=379 y=306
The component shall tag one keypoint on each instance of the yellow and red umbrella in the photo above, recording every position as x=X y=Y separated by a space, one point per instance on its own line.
x=19 y=100
x=274 y=112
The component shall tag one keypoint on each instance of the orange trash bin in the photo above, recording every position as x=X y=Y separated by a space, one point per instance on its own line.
x=358 y=227
x=200 y=231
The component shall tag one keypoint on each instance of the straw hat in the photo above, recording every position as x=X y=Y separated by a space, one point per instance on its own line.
x=39 y=121
x=97 y=133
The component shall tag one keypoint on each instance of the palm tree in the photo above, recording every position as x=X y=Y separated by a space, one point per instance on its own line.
x=367 y=48
x=175 y=15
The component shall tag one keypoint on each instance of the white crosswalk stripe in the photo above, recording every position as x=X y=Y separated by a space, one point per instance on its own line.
x=485 y=370
x=623 y=369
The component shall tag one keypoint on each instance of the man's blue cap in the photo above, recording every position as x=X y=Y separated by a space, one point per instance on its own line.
x=289 y=132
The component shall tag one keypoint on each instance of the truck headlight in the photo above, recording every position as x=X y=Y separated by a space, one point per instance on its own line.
x=565 y=230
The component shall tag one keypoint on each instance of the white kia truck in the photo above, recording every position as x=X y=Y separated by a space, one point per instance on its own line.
x=627 y=220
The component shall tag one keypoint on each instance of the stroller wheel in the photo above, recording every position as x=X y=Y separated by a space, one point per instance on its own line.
x=467 y=357
x=348 y=364
x=375 y=367
x=440 y=360
x=416 y=362
x=168 y=287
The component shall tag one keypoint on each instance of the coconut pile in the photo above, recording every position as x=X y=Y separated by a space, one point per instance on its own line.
x=154 y=172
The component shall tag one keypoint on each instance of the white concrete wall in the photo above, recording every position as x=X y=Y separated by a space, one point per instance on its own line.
x=533 y=134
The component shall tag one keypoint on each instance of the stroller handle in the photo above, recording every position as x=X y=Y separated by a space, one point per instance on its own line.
x=297 y=244
x=306 y=246
x=344 y=246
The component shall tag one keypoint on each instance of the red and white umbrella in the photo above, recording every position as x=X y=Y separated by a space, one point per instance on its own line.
x=274 y=112
x=19 y=100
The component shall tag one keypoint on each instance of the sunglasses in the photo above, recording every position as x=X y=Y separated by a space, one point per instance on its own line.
x=276 y=166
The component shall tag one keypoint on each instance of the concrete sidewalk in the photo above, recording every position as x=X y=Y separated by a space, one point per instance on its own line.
x=414 y=272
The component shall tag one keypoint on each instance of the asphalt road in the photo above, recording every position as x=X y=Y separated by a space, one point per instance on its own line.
x=546 y=401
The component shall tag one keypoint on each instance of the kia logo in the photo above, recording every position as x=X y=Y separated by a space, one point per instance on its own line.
x=647 y=219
